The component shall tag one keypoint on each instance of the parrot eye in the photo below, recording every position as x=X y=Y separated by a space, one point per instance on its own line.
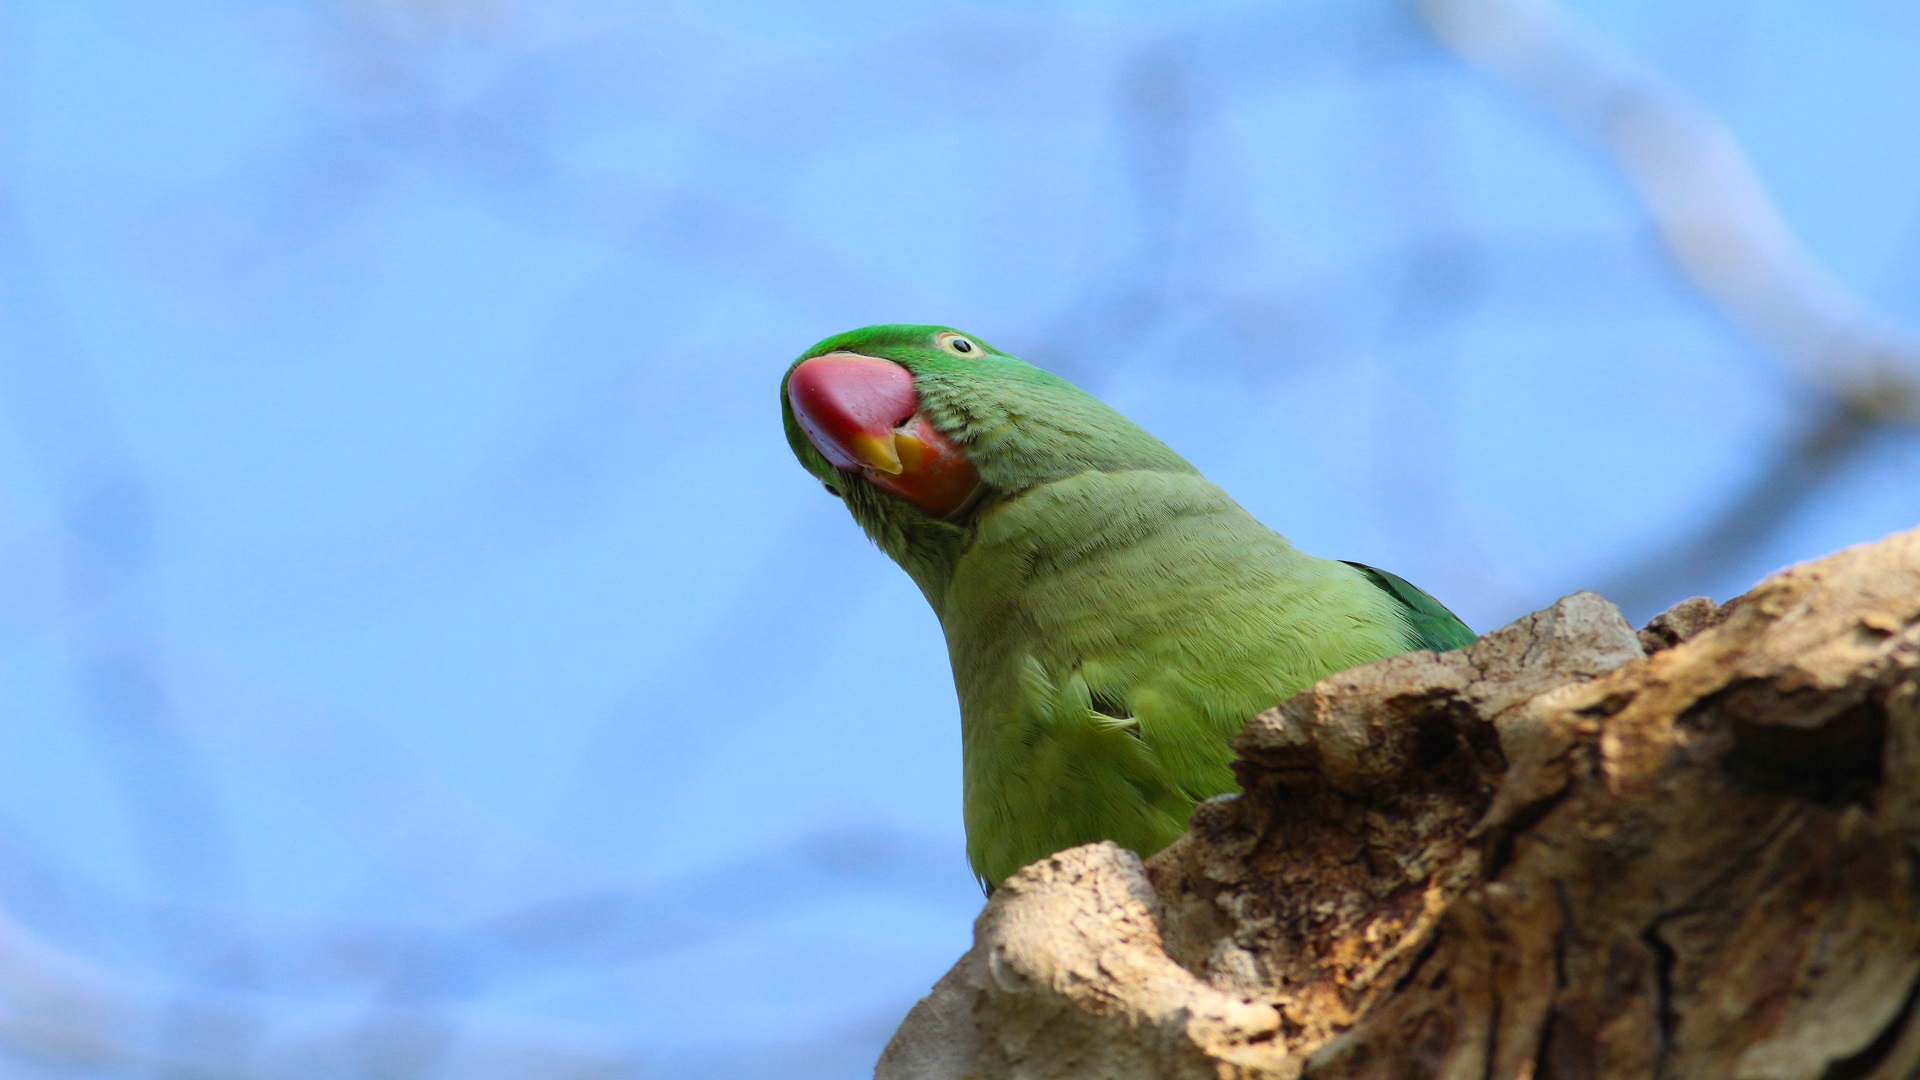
x=957 y=344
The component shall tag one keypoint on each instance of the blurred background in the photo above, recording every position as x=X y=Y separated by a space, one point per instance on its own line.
x=420 y=656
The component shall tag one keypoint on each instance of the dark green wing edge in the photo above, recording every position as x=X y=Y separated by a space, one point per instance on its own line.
x=1435 y=627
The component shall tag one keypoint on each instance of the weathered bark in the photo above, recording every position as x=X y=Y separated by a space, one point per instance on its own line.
x=1570 y=850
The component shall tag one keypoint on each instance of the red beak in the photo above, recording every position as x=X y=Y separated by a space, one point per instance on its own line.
x=863 y=415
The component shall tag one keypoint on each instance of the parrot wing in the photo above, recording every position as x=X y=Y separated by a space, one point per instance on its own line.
x=1434 y=627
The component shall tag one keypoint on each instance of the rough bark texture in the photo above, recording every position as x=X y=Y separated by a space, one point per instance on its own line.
x=1571 y=850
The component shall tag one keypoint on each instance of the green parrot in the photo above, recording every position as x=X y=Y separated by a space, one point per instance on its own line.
x=1112 y=617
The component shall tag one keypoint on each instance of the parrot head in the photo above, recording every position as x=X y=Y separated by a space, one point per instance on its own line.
x=921 y=429
x=854 y=414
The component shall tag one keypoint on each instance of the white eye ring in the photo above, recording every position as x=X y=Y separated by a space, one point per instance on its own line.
x=958 y=344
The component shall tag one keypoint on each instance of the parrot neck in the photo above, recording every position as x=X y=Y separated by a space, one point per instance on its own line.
x=930 y=561
x=1014 y=463
x=927 y=548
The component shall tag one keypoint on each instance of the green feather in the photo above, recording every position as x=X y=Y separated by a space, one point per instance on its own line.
x=1112 y=617
x=1435 y=627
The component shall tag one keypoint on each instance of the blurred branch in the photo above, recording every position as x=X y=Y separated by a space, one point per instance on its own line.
x=1731 y=242
x=1707 y=202
x=1439 y=279
x=68 y=1011
x=57 y=1006
x=1835 y=434
x=114 y=638
x=424 y=20
x=1128 y=292
x=389 y=1001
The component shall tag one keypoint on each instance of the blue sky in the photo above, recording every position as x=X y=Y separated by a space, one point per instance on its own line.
x=410 y=613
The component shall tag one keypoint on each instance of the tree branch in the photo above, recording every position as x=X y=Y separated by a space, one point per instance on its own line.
x=1567 y=850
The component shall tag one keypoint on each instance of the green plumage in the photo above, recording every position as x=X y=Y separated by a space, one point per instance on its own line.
x=1111 y=616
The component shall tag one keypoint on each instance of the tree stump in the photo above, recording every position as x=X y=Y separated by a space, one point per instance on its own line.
x=1569 y=850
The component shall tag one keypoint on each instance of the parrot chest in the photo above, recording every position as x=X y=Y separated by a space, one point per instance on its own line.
x=1108 y=634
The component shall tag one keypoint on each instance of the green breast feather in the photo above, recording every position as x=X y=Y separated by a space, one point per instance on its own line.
x=1112 y=618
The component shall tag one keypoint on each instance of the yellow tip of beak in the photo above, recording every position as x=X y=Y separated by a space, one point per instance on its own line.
x=913 y=453
x=877 y=453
